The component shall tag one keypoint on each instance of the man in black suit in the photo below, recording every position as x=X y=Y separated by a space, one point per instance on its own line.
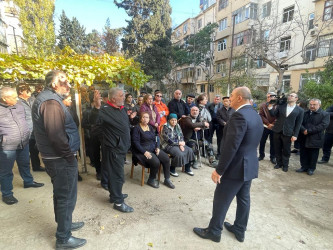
x=289 y=118
x=311 y=137
x=237 y=167
x=178 y=106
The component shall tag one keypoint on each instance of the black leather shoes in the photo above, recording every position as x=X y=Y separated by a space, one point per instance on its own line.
x=33 y=185
x=301 y=170
x=72 y=243
x=123 y=208
x=38 y=169
x=206 y=234
x=239 y=236
x=310 y=172
x=277 y=166
x=322 y=162
x=285 y=169
x=153 y=183
x=169 y=184
x=294 y=151
x=9 y=200
x=273 y=160
x=260 y=158
x=76 y=225
x=124 y=197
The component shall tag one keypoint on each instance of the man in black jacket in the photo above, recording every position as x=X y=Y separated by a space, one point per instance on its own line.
x=178 y=106
x=58 y=141
x=222 y=116
x=114 y=123
x=311 y=137
x=289 y=118
x=14 y=138
x=328 y=141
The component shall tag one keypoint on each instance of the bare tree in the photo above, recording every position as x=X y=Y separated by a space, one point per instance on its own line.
x=272 y=37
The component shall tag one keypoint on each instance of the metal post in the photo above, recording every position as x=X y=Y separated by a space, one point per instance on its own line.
x=231 y=53
x=15 y=39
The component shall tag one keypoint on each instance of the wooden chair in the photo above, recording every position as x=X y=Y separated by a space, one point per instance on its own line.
x=143 y=172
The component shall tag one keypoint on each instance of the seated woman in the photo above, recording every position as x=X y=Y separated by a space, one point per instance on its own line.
x=145 y=147
x=173 y=143
x=150 y=108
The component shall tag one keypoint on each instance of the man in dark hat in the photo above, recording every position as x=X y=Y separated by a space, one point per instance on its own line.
x=190 y=101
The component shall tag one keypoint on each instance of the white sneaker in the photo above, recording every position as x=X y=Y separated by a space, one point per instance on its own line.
x=175 y=174
x=189 y=173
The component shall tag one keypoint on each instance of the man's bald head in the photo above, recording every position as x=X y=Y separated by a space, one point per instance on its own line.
x=240 y=96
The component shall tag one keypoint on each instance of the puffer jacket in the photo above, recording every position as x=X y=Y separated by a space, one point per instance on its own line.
x=14 y=129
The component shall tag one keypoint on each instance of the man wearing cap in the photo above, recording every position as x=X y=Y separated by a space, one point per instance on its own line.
x=14 y=139
x=214 y=124
x=190 y=101
x=268 y=122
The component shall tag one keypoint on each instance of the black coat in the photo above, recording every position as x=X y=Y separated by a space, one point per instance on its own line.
x=178 y=107
x=315 y=124
x=330 y=127
x=290 y=125
x=223 y=115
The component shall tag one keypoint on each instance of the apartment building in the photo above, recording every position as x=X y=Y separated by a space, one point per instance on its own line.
x=3 y=37
x=14 y=32
x=193 y=78
x=296 y=36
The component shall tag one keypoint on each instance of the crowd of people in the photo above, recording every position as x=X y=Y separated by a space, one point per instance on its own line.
x=174 y=135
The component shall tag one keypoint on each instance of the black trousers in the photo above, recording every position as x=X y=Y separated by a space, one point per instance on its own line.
x=114 y=165
x=213 y=126
x=282 y=146
x=219 y=139
x=328 y=143
x=154 y=163
x=267 y=132
x=64 y=179
x=223 y=196
x=33 y=150
x=308 y=157
x=95 y=153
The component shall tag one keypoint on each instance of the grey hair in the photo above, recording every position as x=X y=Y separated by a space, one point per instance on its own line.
x=316 y=100
x=50 y=76
x=113 y=92
x=4 y=91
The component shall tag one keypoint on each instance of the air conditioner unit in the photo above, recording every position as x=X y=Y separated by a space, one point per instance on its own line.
x=224 y=74
x=313 y=33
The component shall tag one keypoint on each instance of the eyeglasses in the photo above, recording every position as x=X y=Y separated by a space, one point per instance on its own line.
x=158 y=95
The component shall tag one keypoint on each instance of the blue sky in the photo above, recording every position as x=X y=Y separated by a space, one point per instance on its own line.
x=92 y=14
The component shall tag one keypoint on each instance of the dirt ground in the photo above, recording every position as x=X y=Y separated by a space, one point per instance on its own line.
x=288 y=211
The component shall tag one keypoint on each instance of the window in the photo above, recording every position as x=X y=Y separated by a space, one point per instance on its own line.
x=325 y=46
x=185 y=28
x=285 y=43
x=178 y=75
x=222 y=44
x=223 y=24
x=218 y=68
x=286 y=82
x=177 y=33
x=305 y=78
x=241 y=38
x=310 y=52
x=211 y=87
x=245 y=12
x=311 y=20
x=223 y=4
x=288 y=14
x=239 y=63
x=186 y=73
x=328 y=10
x=198 y=72
x=202 y=88
x=199 y=23
x=266 y=9
x=266 y=35
x=260 y=64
